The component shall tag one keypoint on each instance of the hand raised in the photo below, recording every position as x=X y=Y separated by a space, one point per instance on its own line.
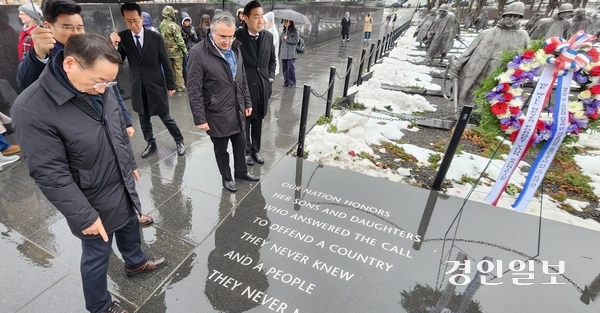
x=43 y=41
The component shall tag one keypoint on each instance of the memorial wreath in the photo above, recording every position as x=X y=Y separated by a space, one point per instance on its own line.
x=546 y=123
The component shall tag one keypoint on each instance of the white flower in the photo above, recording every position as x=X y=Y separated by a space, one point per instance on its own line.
x=579 y=114
x=575 y=106
x=594 y=79
x=527 y=66
x=541 y=56
x=505 y=77
x=588 y=68
x=516 y=91
x=516 y=102
x=507 y=115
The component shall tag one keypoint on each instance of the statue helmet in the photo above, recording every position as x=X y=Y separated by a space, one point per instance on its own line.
x=565 y=7
x=433 y=10
x=516 y=8
x=443 y=7
x=580 y=12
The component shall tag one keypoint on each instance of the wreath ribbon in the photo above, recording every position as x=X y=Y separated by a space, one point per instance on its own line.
x=559 y=69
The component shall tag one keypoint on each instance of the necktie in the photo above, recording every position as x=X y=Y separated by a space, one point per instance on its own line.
x=255 y=37
x=138 y=44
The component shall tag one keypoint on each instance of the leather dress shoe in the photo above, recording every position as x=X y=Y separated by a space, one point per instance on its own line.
x=249 y=160
x=258 y=158
x=152 y=264
x=150 y=148
x=180 y=149
x=229 y=185
x=145 y=219
x=249 y=177
x=115 y=308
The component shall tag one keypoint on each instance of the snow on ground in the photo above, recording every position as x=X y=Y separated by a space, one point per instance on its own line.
x=404 y=74
x=356 y=133
x=372 y=95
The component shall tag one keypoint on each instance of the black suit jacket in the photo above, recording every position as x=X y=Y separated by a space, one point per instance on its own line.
x=259 y=68
x=147 y=71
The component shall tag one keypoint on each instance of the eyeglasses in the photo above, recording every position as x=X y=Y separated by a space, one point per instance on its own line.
x=226 y=38
x=98 y=85
x=132 y=22
x=105 y=85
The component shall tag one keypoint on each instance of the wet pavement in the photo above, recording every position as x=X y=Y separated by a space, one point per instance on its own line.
x=183 y=194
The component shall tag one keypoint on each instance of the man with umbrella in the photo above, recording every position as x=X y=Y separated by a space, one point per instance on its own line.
x=258 y=52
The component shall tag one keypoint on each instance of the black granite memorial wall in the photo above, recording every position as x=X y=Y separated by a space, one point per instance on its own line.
x=325 y=18
x=311 y=238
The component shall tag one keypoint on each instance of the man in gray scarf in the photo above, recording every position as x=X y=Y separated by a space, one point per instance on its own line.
x=483 y=55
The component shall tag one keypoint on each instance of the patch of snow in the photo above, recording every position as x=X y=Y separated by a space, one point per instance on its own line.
x=373 y=96
x=577 y=205
x=589 y=166
x=589 y=140
x=404 y=74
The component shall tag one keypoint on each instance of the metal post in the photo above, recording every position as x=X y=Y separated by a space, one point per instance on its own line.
x=347 y=81
x=377 y=51
x=461 y=124
x=370 y=57
x=303 y=119
x=330 y=91
x=360 y=67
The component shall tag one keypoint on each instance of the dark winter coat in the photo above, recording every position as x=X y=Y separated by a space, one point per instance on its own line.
x=258 y=69
x=146 y=72
x=31 y=68
x=81 y=160
x=287 y=47
x=188 y=33
x=346 y=26
x=215 y=97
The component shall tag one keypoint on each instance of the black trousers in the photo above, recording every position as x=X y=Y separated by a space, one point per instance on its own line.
x=94 y=263
x=238 y=141
x=166 y=118
x=253 y=135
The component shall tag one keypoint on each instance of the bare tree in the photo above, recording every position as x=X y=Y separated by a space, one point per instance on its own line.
x=480 y=4
x=501 y=4
x=584 y=3
x=552 y=4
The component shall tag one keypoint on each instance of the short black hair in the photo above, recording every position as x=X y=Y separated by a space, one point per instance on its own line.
x=131 y=6
x=88 y=48
x=52 y=9
x=251 y=6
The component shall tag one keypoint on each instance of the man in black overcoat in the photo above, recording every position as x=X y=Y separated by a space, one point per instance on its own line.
x=148 y=59
x=259 y=62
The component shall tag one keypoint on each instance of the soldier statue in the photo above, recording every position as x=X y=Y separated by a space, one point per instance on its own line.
x=425 y=26
x=558 y=25
x=442 y=34
x=581 y=22
x=536 y=17
x=483 y=55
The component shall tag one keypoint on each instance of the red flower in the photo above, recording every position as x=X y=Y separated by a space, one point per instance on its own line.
x=517 y=73
x=595 y=71
x=514 y=110
x=352 y=153
x=499 y=108
x=594 y=116
x=503 y=127
x=540 y=125
x=594 y=54
x=595 y=90
x=528 y=54
x=550 y=47
x=505 y=87
x=507 y=97
x=513 y=136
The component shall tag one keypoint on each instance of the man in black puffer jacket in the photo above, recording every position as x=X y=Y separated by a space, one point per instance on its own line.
x=72 y=134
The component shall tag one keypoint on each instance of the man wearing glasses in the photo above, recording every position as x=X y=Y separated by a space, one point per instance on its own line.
x=219 y=96
x=62 y=20
x=73 y=138
x=147 y=55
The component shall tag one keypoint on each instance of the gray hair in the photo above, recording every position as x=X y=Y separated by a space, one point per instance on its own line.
x=222 y=17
